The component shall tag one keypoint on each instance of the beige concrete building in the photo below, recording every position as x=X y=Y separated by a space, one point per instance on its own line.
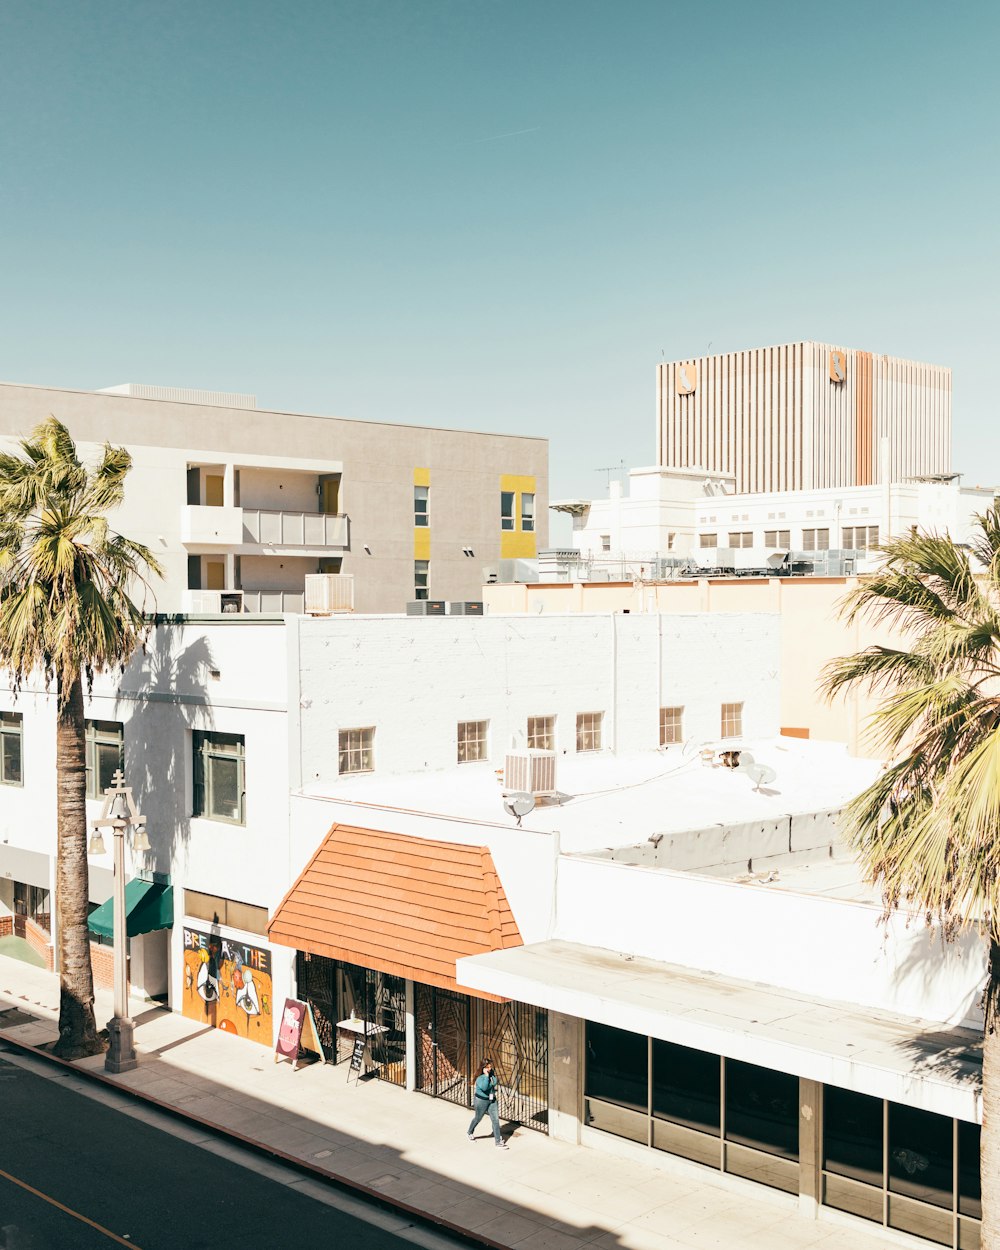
x=803 y=416
x=240 y=504
x=811 y=633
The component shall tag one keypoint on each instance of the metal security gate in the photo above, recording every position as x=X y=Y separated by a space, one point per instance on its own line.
x=443 y=1058
x=315 y=976
x=456 y=1033
x=516 y=1037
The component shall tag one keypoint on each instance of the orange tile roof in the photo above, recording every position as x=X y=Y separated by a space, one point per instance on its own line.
x=406 y=906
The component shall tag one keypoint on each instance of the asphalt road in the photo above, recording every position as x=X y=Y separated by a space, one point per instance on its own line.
x=79 y=1175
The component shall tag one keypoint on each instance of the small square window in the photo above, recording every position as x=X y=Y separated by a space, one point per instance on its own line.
x=357 y=750
x=541 y=733
x=527 y=512
x=105 y=748
x=421 y=504
x=588 y=730
x=732 y=720
x=472 y=741
x=219 y=777
x=506 y=509
x=671 y=725
x=421 y=578
x=11 y=744
x=605 y=542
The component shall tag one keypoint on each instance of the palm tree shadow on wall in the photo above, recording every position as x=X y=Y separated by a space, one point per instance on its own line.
x=166 y=693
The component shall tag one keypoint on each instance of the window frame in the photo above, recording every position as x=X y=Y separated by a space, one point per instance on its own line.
x=11 y=729
x=421 y=515
x=674 y=721
x=815 y=542
x=421 y=579
x=590 y=731
x=101 y=733
x=206 y=746
x=507 y=500
x=472 y=733
x=363 y=745
x=707 y=540
x=540 y=733
x=728 y=716
x=740 y=538
x=778 y=539
x=527 y=511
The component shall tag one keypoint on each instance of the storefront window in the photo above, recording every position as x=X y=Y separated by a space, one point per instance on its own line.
x=686 y=1086
x=852 y=1136
x=969 y=1195
x=617 y=1066
x=762 y=1109
x=920 y=1158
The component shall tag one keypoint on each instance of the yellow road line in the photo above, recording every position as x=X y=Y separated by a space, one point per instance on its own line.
x=68 y=1210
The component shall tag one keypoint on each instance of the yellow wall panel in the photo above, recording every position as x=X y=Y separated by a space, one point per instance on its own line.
x=421 y=477
x=421 y=542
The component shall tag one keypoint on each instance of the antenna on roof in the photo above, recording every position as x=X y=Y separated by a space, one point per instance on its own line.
x=518 y=805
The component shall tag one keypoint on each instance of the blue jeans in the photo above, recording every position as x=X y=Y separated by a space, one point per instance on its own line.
x=485 y=1107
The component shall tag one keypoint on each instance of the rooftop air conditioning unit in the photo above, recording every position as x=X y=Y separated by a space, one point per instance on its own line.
x=466 y=607
x=530 y=772
x=425 y=607
x=327 y=593
x=216 y=602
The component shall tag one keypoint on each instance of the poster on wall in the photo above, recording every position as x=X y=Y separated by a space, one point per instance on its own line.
x=227 y=984
x=298 y=1038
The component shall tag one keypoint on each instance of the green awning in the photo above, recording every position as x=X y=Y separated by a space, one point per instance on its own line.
x=148 y=906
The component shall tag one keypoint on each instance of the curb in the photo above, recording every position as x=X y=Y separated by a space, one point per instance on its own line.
x=434 y=1223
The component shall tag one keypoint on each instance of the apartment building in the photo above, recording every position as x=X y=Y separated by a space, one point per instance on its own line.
x=804 y=416
x=240 y=504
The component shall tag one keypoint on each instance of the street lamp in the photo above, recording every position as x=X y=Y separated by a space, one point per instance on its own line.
x=119 y=814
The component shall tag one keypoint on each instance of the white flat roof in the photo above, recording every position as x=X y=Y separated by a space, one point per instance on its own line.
x=617 y=801
x=905 y=1059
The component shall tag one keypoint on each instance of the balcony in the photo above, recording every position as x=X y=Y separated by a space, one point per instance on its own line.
x=295 y=531
x=203 y=526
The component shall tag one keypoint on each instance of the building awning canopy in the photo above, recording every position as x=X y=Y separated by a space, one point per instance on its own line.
x=924 y=1063
x=148 y=906
x=406 y=906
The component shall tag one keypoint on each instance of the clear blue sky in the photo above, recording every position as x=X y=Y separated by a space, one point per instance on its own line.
x=497 y=214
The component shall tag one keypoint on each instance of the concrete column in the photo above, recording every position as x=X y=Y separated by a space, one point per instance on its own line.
x=230 y=571
x=565 y=1077
x=411 y=1040
x=229 y=486
x=810 y=1146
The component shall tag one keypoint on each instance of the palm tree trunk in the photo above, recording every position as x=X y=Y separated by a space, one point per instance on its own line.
x=989 y=1160
x=77 y=1028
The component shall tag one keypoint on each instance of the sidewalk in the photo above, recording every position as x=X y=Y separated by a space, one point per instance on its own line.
x=538 y=1195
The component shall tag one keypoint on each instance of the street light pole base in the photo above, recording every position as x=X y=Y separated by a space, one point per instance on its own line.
x=121 y=1056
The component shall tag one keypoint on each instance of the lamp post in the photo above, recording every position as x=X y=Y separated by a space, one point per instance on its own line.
x=120 y=814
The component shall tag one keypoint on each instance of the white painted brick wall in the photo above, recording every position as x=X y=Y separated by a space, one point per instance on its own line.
x=415 y=678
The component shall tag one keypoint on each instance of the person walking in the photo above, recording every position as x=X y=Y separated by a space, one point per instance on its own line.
x=485 y=1096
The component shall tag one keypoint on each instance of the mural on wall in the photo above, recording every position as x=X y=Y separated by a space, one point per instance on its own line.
x=228 y=984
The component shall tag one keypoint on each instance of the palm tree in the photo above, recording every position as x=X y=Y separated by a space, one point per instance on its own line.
x=927 y=830
x=65 y=609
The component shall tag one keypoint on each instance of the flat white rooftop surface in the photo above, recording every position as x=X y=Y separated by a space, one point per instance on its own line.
x=616 y=801
x=885 y=1055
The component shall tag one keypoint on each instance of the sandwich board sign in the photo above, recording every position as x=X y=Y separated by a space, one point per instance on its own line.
x=297 y=1033
x=357 y=1058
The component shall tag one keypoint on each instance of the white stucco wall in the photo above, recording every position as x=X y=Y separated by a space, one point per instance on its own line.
x=824 y=947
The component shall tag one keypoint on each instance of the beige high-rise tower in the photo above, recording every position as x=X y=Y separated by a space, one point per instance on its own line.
x=804 y=415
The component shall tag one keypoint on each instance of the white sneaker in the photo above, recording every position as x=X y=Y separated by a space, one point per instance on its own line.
x=501 y=1145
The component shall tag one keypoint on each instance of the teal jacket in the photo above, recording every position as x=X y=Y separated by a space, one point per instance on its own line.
x=486 y=1087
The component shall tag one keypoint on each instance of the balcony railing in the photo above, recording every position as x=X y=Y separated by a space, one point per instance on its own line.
x=274 y=601
x=295 y=529
x=211 y=527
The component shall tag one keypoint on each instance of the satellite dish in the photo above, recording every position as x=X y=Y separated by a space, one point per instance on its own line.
x=518 y=805
x=759 y=774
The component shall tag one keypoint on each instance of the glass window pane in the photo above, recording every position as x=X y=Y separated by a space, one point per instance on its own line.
x=852 y=1135
x=762 y=1108
x=920 y=1155
x=506 y=509
x=969 y=1193
x=109 y=759
x=686 y=1086
x=617 y=1066
x=12 y=759
x=225 y=787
